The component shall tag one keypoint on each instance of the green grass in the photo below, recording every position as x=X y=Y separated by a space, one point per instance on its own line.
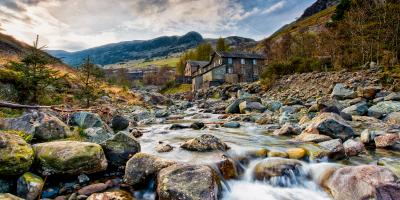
x=171 y=62
x=178 y=89
x=10 y=113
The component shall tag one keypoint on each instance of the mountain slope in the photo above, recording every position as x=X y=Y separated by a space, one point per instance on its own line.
x=234 y=42
x=318 y=6
x=132 y=50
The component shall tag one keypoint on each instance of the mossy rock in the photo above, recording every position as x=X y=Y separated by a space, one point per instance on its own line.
x=27 y=137
x=120 y=148
x=296 y=153
x=276 y=153
x=29 y=186
x=315 y=152
x=16 y=156
x=69 y=157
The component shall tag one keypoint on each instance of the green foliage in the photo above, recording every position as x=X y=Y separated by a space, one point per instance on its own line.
x=222 y=46
x=35 y=76
x=10 y=113
x=88 y=75
x=174 y=89
x=341 y=9
x=202 y=53
x=22 y=134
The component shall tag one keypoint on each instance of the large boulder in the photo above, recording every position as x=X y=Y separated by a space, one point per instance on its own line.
x=205 y=142
x=188 y=182
x=42 y=126
x=383 y=108
x=249 y=107
x=29 y=186
x=386 y=140
x=362 y=182
x=335 y=148
x=69 y=157
x=16 y=156
x=330 y=124
x=120 y=148
x=142 y=167
x=341 y=92
x=233 y=108
x=357 y=109
x=96 y=135
x=119 y=123
x=86 y=120
x=276 y=167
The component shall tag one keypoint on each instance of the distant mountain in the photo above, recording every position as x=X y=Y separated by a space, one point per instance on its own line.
x=318 y=7
x=234 y=42
x=131 y=50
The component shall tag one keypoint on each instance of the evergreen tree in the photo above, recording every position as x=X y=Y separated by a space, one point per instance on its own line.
x=221 y=46
x=88 y=75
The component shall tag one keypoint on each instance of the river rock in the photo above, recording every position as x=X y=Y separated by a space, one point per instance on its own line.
x=233 y=108
x=393 y=118
x=386 y=140
x=394 y=96
x=274 y=105
x=120 y=148
x=8 y=196
x=277 y=153
x=368 y=92
x=188 y=182
x=69 y=157
x=197 y=125
x=330 y=124
x=391 y=163
x=384 y=108
x=360 y=182
x=367 y=136
x=96 y=135
x=250 y=107
x=227 y=168
x=353 y=147
x=29 y=186
x=178 y=127
x=287 y=129
x=320 y=173
x=162 y=148
x=231 y=125
x=143 y=167
x=315 y=152
x=16 y=156
x=119 y=123
x=357 y=109
x=86 y=120
x=273 y=167
x=341 y=92
x=112 y=195
x=6 y=185
x=296 y=153
x=306 y=137
x=205 y=142
x=93 y=188
x=335 y=148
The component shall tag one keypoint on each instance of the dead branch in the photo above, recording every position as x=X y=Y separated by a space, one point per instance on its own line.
x=4 y=104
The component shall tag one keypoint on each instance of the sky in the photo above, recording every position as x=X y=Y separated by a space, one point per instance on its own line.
x=74 y=25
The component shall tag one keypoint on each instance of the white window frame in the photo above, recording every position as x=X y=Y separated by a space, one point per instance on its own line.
x=230 y=70
x=230 y=61
x=242 y=61
x=254 y=62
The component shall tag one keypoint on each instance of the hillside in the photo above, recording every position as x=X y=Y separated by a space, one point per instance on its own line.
x=318 y=6
x=234 y=42
x=132 y=50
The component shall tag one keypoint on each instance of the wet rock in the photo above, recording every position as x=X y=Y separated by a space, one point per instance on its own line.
x=6 y=185
x=120 y=148
x=250 y=107
x=162 y=148
x=136 y=133
x=231 y=125
x=205 y=142
x=386 y=140
x=96 y=135
x=90 y=189
x=69 y=157
x=8 y=196
x=357 y=109
x=277 y=153
x=315 y=152
x=341 y=92
x=391 y=163
x=83 y=178
x=188 y=182
x=16 y=156
x=86 y=120
x=321 y=173
x=335 y=148
x=29 y=186
x=296 y=153
x=178 y=127
x=384 y=108
x=227 y=167
x=233 y=108
x=274 y=167
x=306 y=137
x=360 y=182
x=353 y=147
x=162 y=113
x=143 y=167
x=197 y=125
x=393 y=118
x=393 y=97
x=330 y=124
x=265 y=118
x=112 y=195
x=287 y=129
x=119 y=123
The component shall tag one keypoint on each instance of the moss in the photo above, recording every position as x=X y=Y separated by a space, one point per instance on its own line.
x=16 y=157
x=32 y=178
x=27 y=137
x=10 y=113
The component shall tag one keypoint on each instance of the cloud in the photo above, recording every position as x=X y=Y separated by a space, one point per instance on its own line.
x=74 y=25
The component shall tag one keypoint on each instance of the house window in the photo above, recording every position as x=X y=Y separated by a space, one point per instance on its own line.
x=220 y=61
x=254 y=62
x=230 y=70
x=230 y=61
x=242 y=61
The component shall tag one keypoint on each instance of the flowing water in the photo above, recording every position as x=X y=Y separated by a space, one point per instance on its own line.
x=296 y=185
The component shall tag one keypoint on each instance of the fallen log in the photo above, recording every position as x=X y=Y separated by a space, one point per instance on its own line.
x=4 y=104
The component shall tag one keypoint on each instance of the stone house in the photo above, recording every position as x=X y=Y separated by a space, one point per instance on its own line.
x=227 y=67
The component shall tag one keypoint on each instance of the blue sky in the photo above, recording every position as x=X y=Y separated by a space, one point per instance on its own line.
x=78 y=24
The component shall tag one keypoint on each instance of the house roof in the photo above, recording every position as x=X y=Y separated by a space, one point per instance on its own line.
x=239 y=55
x=196 y=63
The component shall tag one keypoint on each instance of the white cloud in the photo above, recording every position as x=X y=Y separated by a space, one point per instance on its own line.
x=274 y=7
